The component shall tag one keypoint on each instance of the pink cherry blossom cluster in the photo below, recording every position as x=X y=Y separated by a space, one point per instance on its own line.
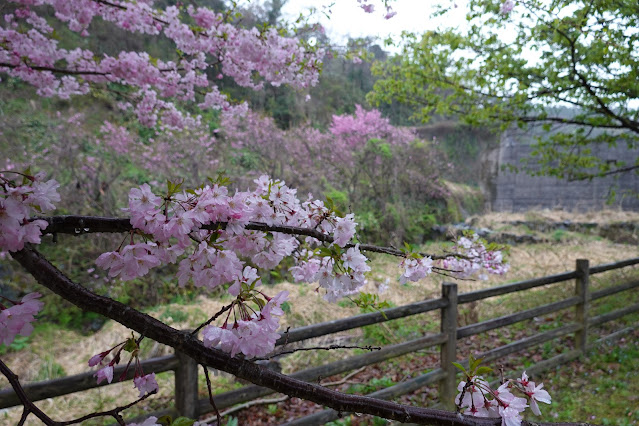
x=340 y=272
x=252 y=332
x=506 y=7
x=170 y=223
x=30 y=51
x=370 y=8
x=19 y=199
x=415 y=268
x=17 y=319
x=144 y=383
x=475 y=258
x=477 y=398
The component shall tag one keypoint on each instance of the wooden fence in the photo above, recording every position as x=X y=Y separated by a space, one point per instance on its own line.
x=187 y=401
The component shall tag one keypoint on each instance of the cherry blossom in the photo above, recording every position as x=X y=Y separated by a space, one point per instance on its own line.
x=477 y=398
x=97 y=359
x=344 y=229
x=19 y=201
x=475 y=257
x=105 y=373
x=253 y=334
x=534 y=393
x=251 y=57
x=17 y=319
x=507 y=7
x=415 y=269
x=146 y=384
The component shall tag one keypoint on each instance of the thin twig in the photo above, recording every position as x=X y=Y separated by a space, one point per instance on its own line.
x=210 y=320
x=30 y=407
x=115 y=412
x=319 y=348
x=250 y=404
x=208 y=386
x=345 y=379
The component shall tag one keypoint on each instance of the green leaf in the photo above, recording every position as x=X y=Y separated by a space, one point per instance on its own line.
x=165 y=420
x=182 y=421
x=461 y=367
x=475 y=363
x=483 y=370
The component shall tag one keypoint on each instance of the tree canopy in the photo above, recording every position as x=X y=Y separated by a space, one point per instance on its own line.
x=567 y=66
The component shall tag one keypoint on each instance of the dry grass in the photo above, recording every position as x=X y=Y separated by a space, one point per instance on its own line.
x=71 y=350
x=547 y=215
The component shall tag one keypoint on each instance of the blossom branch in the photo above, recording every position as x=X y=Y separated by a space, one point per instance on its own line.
x=95 y=224
x=49 y=276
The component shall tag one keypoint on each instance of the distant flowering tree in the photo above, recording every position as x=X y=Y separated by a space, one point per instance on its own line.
x=215 y=237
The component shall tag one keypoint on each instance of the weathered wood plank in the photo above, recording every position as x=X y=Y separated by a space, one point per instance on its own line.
x=481 y=327
x=527 y=342
x=448 y=351
x=514 y=287
x=613 y=290
x=613 y=337
x=186 y=384
x=615 y=265
x=79 y=382
x=582 y=290
x=600 y=319
x=357 y=321
x=554 y=361
x=510 y=348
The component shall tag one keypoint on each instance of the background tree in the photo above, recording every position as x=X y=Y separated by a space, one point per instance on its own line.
x=569 y=67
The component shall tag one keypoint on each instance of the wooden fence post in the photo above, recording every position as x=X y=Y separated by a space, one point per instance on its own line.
x=582 y=290
x=448 y=386
x=186 y=389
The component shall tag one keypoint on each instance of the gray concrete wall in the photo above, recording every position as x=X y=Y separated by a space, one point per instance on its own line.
x=520 y=191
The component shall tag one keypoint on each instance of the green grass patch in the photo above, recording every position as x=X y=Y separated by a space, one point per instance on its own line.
x=601 y=389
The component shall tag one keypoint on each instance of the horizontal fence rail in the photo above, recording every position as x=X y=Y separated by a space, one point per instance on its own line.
x=471 y=330
x=187 y=402
x=474 y=296
x=322 y=329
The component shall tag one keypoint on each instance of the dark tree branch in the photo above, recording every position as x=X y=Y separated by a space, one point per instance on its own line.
x=77 y=225
x=50 y=277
